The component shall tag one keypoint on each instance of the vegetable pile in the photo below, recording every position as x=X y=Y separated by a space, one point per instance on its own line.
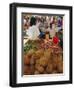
x=38 y=60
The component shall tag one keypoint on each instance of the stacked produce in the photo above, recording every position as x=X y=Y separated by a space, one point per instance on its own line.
x=39 y=60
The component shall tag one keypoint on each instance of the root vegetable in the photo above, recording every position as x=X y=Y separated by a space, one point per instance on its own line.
x=43 y=61
x=39 y=68
x=49 y=68
x=27 y=70
x=36 y=72
x=26 y=60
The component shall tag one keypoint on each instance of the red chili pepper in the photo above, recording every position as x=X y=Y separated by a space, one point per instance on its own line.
x=55 y=40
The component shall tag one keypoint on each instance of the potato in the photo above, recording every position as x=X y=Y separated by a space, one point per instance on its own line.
x=39 y=53
x=37 y=61
x=43 y=61
x=32 y=61
x=27 y=70
x=45 y=72
x=39 y=68
x=36 y=72
x=60 y=66
x=60 y=57
x=47 y=53
x=30 y=53
x=32 y=67
x=54 y=72
x=26 y=60
x=54 y=63
x=49 y=68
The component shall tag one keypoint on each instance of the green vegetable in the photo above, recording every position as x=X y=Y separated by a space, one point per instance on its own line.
x=30 y=45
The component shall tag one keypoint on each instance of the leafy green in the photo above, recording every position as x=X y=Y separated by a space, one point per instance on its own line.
x=30 y=45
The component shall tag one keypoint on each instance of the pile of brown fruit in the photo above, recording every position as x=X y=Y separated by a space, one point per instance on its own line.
x=43 y=62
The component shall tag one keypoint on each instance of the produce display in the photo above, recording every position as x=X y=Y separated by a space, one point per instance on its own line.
x=42 y=58
x=42 y=44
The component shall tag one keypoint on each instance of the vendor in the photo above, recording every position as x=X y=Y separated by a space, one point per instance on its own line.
x=52 y=30
x=33 y=31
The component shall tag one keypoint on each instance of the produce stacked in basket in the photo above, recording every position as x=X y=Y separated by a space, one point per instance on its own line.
x=39 y=60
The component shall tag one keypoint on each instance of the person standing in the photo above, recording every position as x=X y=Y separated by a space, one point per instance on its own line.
x=52 y=30
x=33 y=31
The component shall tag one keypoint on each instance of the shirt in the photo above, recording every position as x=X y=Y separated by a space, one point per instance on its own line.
x=52 y=33
x=33 y=32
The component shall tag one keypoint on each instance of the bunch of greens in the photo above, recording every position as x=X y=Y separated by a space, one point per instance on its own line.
x=30 y=45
